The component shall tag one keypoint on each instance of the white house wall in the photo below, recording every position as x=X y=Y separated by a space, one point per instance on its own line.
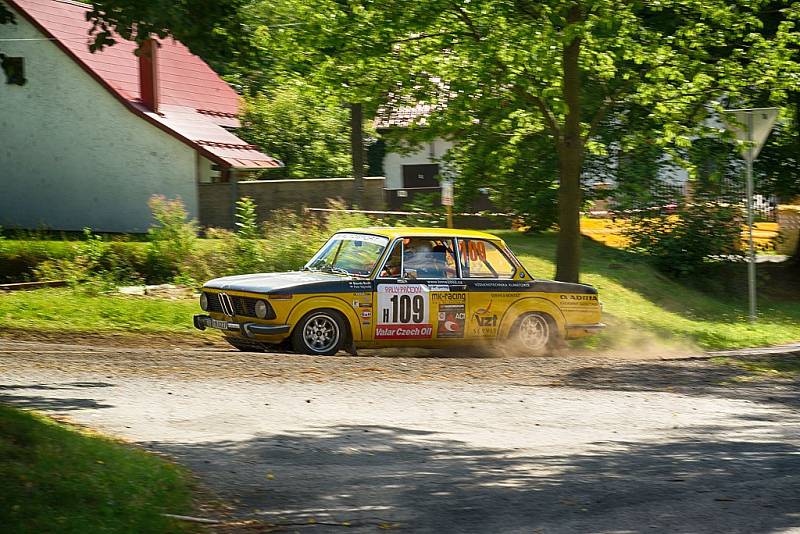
x=424 y=154
x=73 y=156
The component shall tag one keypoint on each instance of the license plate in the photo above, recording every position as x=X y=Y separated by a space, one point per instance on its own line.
x=222 y=325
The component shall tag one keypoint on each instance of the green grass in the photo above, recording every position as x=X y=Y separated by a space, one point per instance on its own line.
x=74 y=310
x=637 y=299
x=640 y=304
x=56 y=478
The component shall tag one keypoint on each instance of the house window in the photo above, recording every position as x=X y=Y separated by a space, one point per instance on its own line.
x=14 y=69
x=420 y=176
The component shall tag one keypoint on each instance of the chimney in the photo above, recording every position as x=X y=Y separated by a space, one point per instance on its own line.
x=148 y=74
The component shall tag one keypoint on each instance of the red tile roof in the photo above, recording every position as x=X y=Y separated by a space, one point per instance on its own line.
x=194 y=101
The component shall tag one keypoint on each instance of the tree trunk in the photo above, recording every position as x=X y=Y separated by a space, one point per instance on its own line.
x=568 y=251
x=357 y=151
x=570 y=162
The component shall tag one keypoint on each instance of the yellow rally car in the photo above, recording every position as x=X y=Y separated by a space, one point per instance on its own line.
x=399 y=287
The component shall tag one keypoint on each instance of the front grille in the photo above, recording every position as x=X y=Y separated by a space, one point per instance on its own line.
x=244 y=306
x=214 y=304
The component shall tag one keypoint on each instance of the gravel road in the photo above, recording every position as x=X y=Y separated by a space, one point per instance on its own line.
x=440 y=444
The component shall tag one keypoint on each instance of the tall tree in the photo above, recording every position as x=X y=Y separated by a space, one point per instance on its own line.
x=560 y=67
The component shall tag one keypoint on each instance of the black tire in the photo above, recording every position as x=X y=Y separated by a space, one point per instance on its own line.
x=534 y=334
x=321 y=332
x=245 y=345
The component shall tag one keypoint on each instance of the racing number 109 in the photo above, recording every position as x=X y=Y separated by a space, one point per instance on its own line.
x=404 y=309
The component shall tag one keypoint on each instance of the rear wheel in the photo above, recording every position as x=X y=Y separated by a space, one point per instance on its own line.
x=534 y=334
x=245 y=345
x=321 y=333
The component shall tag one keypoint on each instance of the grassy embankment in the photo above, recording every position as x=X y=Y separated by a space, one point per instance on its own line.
x=638 y=300
x=640 y=304
x=57 y=478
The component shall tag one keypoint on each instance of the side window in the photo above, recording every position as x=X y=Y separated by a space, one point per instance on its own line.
x=426 y=257
x=482 y=259
x=391 y=269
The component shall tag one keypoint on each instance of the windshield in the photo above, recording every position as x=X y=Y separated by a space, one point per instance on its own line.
x=346 y=253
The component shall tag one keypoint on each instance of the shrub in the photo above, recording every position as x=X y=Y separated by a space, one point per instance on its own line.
x=430 y=211
x=291 y=240
x=172 y=241
x=682 y=244
x=95 y=260
x=245 y=247
x=337 y=220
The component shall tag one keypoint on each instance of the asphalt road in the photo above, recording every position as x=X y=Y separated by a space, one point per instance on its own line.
x=567 y=444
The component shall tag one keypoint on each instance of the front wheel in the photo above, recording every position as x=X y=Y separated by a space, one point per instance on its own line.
x=320 y=333
x=534 y=334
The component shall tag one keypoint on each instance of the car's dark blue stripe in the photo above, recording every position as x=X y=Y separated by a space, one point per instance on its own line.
x=476 y=285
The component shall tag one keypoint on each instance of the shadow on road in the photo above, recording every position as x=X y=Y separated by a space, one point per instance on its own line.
x=695 y=481
x=689 y=378
x=15 y=397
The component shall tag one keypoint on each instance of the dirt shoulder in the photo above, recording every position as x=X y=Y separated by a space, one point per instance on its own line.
x=178 y=359
x=113 y=339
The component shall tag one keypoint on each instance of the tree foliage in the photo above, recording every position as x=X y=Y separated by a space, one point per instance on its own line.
x=777 y=168
x=302 y=127
x=558 y=68
x=682 y=244
x=563 y=69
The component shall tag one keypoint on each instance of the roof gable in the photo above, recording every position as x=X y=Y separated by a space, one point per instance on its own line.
x=185 y=79
x=195 y=101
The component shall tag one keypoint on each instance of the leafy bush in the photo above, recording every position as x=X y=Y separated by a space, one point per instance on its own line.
x=682 y=244
x=429 y=209
x=172 y=241
x=174 y=254
x=246 y=250
x=337 y=220
x=291 y=240
x=95 y=260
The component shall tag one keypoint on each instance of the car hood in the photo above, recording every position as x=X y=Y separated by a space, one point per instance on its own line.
x=276 y=282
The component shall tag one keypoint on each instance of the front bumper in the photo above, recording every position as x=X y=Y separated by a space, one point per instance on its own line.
x=201 y=322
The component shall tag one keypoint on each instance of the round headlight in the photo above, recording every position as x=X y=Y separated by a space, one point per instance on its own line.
x=204 y=301
x=261 y=309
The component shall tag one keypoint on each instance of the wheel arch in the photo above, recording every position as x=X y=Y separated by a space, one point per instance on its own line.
x=306 y=306
x=532 y=304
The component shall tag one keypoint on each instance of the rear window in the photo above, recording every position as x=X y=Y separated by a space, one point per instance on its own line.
x=483 y=259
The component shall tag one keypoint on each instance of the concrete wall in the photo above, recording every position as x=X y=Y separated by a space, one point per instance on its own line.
x=71 y=155
x=428 y=153
x=217 y=200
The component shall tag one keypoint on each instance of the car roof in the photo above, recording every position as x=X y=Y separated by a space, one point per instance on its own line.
x=411 y=231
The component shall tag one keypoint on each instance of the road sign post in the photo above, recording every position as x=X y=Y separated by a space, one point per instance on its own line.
x=751 y=128
x=447 y=200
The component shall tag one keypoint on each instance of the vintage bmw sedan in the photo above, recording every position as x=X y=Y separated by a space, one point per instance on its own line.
x=400 y=287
